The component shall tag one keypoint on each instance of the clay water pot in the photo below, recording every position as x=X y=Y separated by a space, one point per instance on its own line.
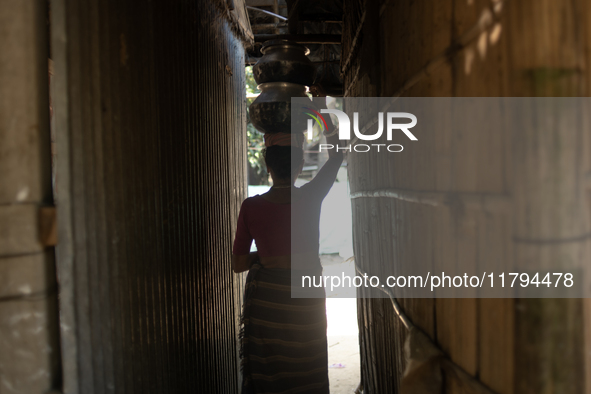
x=271 y=111
x=284 y=61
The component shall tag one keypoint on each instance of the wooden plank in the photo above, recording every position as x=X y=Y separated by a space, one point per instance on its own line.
x=496 y=316
x=548 y=201
x=24 y=110
x=23 y=276
x=19 y=230
x=260 y=3
x=301 y=38
x=27 y=365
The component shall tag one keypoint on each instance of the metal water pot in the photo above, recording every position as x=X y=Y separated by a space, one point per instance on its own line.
x=271 y=111
x=284 y=61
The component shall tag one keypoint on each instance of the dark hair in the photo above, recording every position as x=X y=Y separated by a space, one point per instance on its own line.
x=283 y=160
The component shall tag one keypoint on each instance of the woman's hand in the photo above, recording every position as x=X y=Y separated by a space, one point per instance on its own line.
x=318 y=96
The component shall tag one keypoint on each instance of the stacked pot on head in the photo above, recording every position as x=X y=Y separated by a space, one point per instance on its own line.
x=283 y=72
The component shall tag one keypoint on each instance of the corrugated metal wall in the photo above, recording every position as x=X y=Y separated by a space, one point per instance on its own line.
x=475 y=48
x=151 y=154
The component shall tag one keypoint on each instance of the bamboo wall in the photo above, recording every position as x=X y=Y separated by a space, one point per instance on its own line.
x=151 y=144
x=476 y=48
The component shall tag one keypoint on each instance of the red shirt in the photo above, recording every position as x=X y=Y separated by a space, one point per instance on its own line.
x=277 y=227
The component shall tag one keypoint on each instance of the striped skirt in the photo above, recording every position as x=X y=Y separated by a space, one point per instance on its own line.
x=283 y=339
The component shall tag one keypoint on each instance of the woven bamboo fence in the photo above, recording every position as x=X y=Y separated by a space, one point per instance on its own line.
x=470 y=49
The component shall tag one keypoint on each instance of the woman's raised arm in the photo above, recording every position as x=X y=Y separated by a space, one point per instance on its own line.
x=326 y=176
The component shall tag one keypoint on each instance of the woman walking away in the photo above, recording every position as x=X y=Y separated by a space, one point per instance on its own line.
x=283 y=339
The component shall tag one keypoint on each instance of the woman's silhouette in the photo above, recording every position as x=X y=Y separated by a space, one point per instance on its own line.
x=283 y=339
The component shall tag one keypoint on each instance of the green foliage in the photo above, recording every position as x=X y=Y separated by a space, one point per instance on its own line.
x=251 y=85
x=256 y=143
